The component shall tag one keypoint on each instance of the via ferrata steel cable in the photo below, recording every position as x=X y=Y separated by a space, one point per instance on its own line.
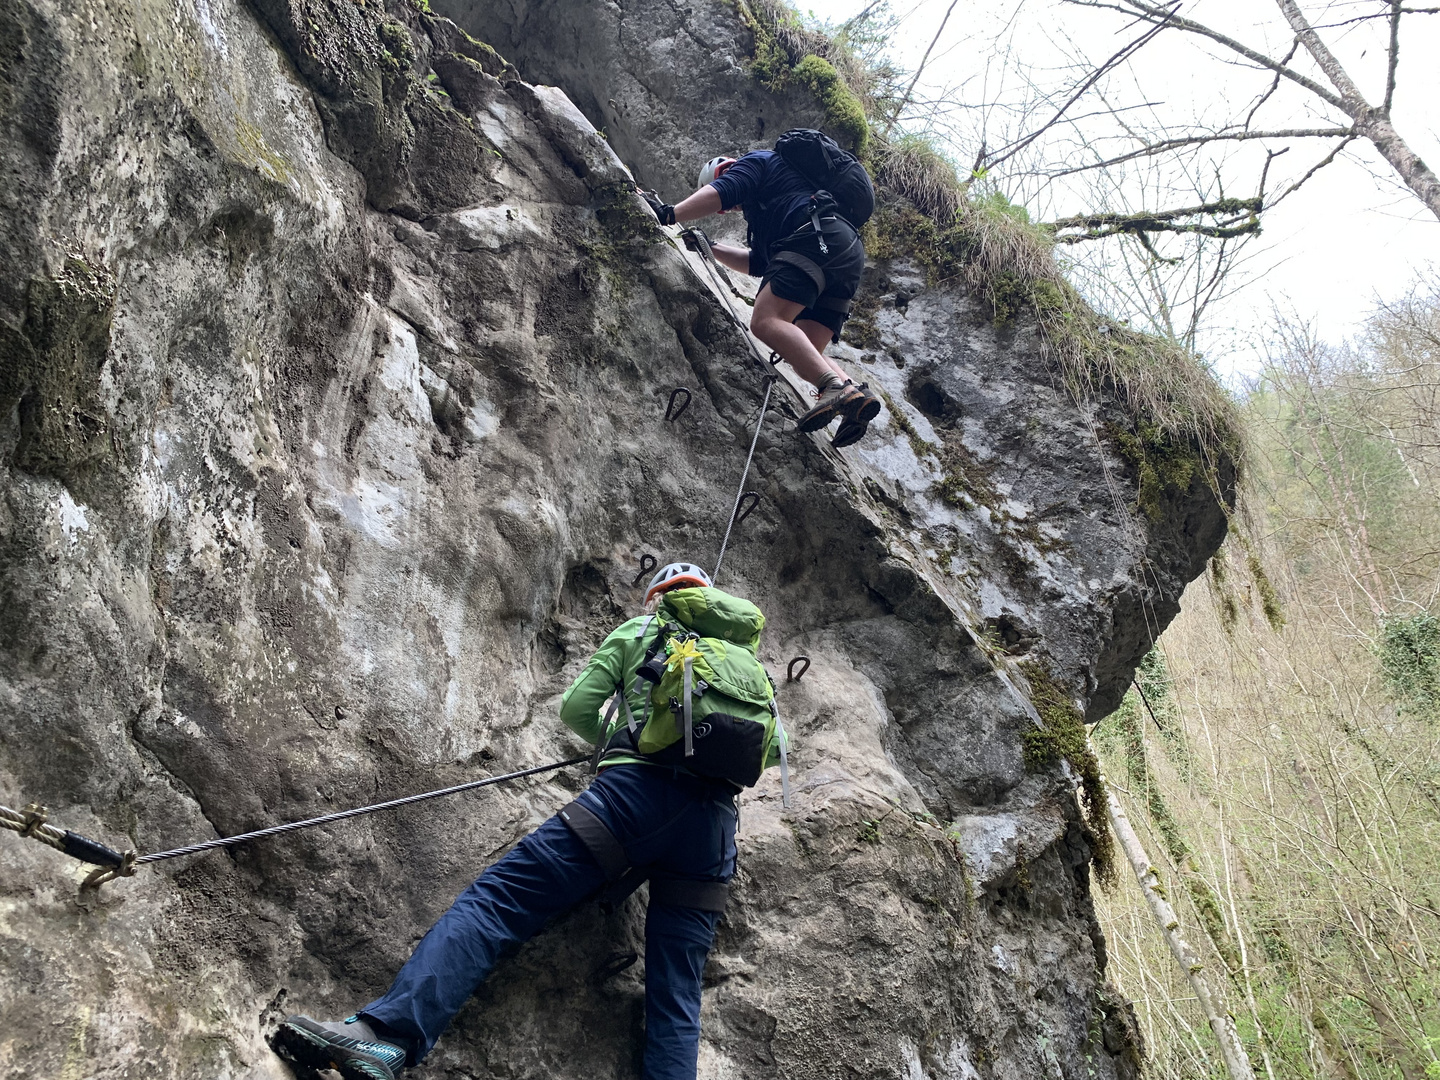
x=33 y=823
x=274 y=830
x=744 y=475
x=712 y=265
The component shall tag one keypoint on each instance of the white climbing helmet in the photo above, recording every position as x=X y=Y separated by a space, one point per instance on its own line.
x=713 y=168
x=675 y=575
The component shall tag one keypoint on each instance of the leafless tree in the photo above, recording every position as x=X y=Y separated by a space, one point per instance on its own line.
x=1307 y=80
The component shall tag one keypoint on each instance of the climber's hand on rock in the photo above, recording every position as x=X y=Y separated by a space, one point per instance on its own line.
x=664 y=212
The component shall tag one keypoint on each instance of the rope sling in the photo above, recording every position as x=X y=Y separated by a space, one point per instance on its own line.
x=33 y=821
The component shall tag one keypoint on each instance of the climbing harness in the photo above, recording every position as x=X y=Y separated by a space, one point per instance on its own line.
x=622 y=877
x=112 y=864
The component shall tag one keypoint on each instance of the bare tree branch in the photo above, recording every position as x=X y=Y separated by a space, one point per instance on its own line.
x=1350 y=97
x=1377 y=15
x=1394 y=56
x=1275 y=85
x=1197 y=140
x=1240 y=217
x=1129 y=50
x=1155 y=14
x=1326 y=160
x=905 y=99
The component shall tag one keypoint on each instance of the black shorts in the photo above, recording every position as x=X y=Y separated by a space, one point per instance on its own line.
x=799 y=272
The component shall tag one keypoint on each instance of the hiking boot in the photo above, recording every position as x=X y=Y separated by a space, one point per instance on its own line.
x=862 y=408
x=850 y=432
x=833 y=401
x=350 y=1047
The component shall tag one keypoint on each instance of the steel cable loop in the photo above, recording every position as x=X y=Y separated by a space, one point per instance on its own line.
x=32 y=824
x=274 y=830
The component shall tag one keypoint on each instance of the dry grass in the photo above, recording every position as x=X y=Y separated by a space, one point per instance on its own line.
x=913 y=168
x=993 y=248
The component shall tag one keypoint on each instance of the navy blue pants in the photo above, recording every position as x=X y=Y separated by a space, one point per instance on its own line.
x=682 y=826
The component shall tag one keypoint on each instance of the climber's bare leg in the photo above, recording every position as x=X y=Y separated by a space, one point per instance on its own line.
x=773 y=322
x=820 y=336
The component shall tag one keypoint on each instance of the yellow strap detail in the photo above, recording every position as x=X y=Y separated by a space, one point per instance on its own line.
x=682 y=651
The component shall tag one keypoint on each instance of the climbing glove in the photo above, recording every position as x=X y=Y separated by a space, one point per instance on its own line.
x=692 y=239
x=664 y=212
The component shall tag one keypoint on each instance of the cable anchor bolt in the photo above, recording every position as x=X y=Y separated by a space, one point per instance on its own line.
x=672 y=413
x=647 y=564
x=746 y=506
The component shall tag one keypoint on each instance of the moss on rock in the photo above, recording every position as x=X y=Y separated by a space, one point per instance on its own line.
x=844 y=114
x=1165 y=466
x=781 y=59
x=1063 y=736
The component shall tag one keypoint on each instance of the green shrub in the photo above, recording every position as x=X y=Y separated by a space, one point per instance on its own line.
x=1408 y=649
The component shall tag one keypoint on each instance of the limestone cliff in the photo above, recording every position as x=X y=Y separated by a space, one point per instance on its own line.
x=333 y=359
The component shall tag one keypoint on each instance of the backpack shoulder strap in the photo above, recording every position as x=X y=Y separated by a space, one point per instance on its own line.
x=784 y=740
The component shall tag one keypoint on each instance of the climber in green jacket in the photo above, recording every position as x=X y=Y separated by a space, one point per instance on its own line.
x=662 y=809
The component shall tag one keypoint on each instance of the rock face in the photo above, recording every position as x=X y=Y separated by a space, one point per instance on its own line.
x=333 y=364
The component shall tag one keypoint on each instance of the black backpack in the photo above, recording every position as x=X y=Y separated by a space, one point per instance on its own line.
x=820 y=159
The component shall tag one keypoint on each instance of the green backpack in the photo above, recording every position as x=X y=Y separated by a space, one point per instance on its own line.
x=712 y=710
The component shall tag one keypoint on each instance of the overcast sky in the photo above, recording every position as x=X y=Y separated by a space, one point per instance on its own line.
x=1327 y=252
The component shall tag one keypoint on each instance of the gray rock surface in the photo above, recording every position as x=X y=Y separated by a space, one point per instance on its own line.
x=666 y=82
x=332 y=364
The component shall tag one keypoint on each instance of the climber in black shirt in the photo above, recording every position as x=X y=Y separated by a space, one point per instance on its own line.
x=808 y=279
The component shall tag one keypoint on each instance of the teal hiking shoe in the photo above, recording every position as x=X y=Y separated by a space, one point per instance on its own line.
x=350 y=1047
